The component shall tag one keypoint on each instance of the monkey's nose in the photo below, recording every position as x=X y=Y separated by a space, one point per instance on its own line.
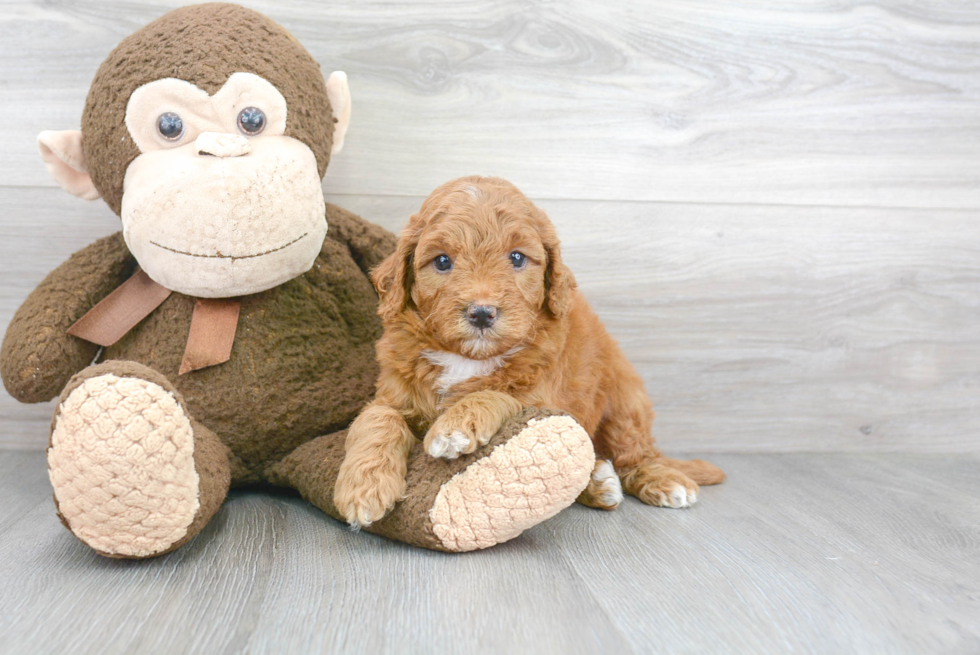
x=217 y=144
x=481 y=316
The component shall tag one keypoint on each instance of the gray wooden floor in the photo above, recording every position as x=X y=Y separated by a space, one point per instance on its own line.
x=803 y=553
x=774 y=206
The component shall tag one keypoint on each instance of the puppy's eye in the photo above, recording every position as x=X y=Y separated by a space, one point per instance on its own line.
x=442 y=263
x=518 y=259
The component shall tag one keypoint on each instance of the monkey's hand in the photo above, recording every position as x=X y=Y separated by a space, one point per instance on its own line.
x=38 y=355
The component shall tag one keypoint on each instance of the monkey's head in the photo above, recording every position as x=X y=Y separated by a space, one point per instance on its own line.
x=208 y=132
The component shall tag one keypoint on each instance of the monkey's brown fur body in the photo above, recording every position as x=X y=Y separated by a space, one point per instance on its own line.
x=301 y=367
x=303 y=361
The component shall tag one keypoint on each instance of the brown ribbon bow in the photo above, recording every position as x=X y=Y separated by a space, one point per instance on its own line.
x=213 y=324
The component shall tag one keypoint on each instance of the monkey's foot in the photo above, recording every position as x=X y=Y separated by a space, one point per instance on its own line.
x=534 y=467
x=122 y=463
x=528 y=478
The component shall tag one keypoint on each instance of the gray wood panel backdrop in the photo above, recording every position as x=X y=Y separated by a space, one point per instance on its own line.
x=773 y=206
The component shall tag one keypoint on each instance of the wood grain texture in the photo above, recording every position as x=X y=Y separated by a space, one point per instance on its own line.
x=794 y=553
x=728 y=182
x=814 y=102
x=756 y=328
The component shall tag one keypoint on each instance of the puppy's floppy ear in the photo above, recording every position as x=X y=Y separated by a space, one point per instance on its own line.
x=393 y=277
x=559 y=283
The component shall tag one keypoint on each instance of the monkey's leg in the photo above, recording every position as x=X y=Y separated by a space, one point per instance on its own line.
x=134 y=475
x=535 y=466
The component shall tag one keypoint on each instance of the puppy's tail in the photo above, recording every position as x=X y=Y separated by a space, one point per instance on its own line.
x=698 y=470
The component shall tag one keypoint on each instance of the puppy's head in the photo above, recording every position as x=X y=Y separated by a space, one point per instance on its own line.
x=477 y=270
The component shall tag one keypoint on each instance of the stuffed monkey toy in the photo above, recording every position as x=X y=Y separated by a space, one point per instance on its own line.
x=225 y=336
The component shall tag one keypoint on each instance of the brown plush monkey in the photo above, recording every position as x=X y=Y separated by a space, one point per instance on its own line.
x=234 y=310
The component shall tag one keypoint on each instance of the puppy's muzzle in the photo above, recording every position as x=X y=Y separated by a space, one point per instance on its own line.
x=481 y=316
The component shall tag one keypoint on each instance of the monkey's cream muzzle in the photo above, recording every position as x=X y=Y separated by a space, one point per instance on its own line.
x=223 y=215
x=208 y=211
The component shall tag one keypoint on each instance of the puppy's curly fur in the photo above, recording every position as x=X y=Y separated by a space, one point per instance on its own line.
x=482 y=318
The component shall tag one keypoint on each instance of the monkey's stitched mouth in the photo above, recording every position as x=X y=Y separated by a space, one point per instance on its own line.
x=232 y=257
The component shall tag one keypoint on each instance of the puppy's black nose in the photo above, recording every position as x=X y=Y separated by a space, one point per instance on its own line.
x=481 y=316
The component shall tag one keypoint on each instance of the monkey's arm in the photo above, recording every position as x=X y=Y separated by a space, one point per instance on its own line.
x=38 y=356
x=369 y=244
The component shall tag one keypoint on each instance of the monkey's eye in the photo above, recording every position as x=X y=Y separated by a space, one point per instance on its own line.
x=170 y=126
x=251 y=120
x=442 y=263
x=518 y=259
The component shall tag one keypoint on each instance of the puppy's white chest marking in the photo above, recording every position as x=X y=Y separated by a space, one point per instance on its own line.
x=456 y=368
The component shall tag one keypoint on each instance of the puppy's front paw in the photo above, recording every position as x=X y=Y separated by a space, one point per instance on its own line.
x=469 y=423
x=458 y=432
x=449 y=445
x=661 y=486
x=365 y=492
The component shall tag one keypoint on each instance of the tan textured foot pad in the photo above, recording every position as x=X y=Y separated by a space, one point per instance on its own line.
x=122 y=467
x=528 y=479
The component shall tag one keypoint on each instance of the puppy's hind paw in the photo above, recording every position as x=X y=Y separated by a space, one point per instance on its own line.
x=661 y=486
x=680 y=496
x=604 y=490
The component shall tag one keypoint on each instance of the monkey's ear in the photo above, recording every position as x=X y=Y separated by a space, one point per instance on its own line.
x=339 y=94
x=63 y=156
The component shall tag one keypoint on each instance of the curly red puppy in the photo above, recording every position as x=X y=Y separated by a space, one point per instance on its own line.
x=482 y=318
